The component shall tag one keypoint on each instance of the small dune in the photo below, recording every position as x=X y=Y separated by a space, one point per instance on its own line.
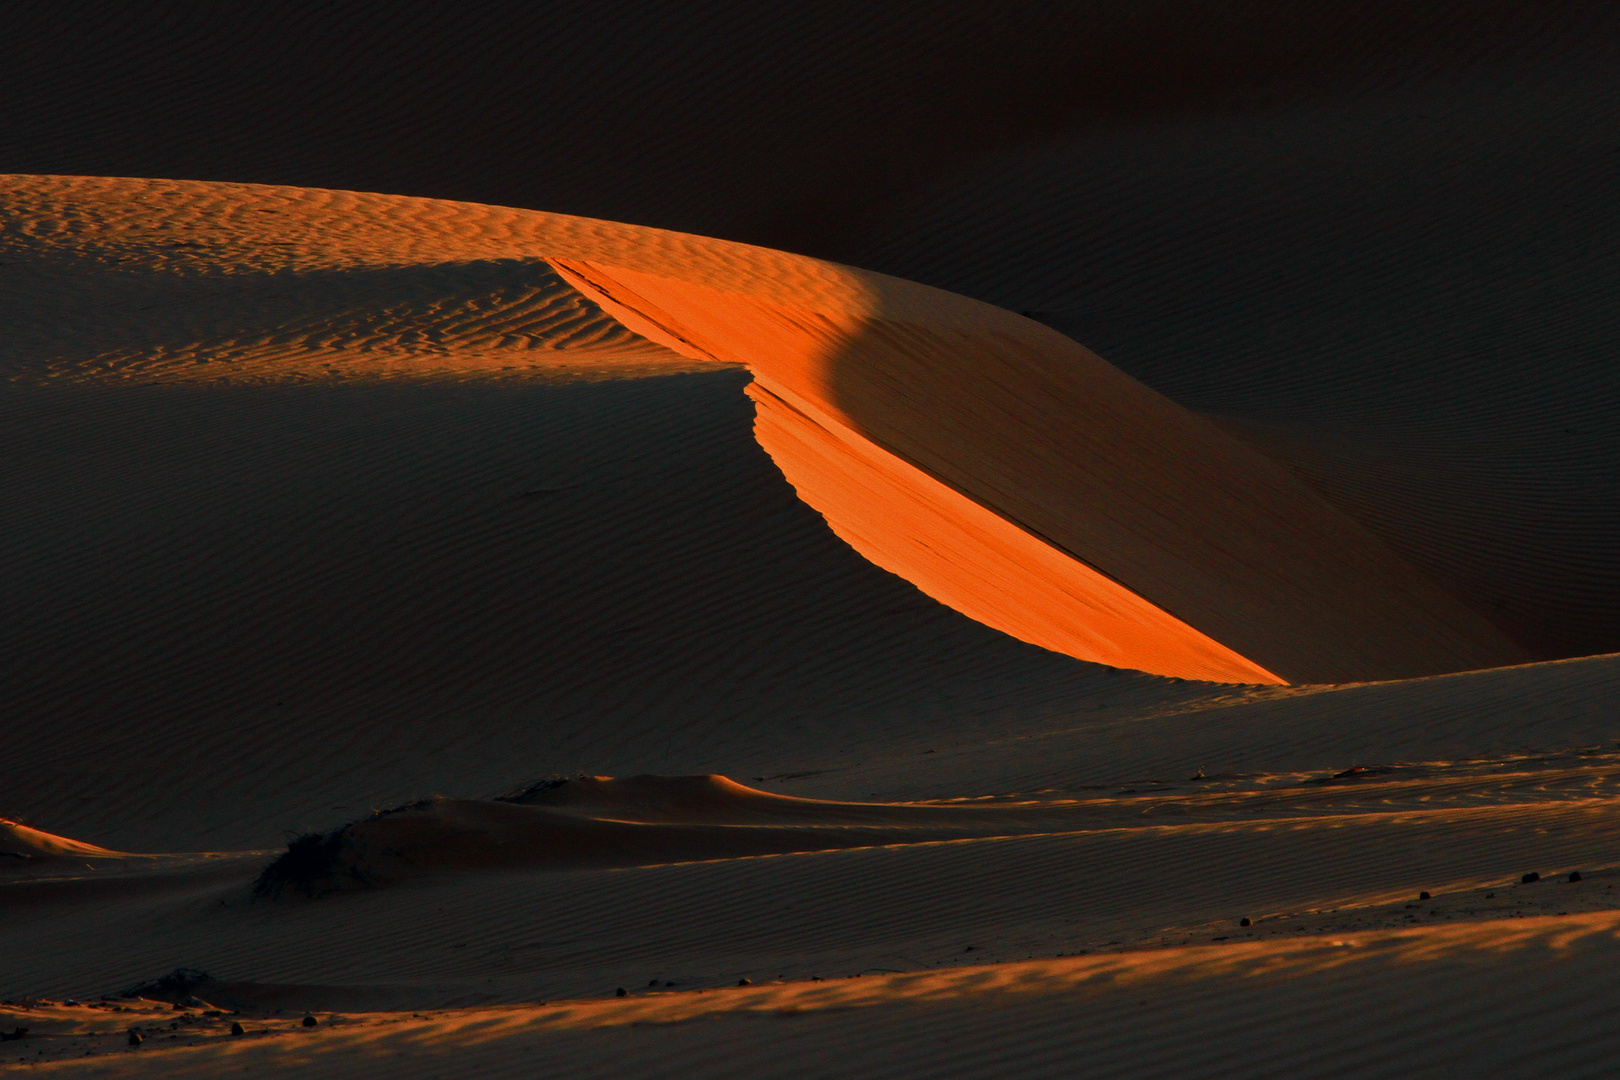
x=594 y=821
x=20 y=845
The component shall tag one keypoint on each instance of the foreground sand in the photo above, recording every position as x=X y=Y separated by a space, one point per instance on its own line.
x=1521 y=1001
x=1105 y=889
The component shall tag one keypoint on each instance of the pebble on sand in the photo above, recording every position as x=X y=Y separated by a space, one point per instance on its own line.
x=1529 y=878
x=745 y=982
x=310 y=1021
x=236 y=1029
x=1245 y=922
x=1424 y=895
x=1574 y=875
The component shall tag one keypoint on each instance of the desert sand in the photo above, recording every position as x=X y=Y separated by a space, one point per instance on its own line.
x=1055 y=541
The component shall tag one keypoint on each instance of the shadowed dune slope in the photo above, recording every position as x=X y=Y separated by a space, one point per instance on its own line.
x=1403 y=292
x=629 y=822
x=236 y=610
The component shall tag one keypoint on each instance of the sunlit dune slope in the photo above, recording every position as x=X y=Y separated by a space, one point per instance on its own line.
x=996 y=464
x=1014 y=475
x=25 y=845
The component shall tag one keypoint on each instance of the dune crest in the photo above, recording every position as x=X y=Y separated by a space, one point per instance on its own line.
x=21 y=844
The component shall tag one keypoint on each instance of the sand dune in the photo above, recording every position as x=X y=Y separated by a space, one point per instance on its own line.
x=25 y=845
x=1104 y=521
x=801 y=615
x=602 y=821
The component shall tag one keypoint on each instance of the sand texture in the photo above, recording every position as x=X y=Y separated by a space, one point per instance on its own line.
x=879 y=540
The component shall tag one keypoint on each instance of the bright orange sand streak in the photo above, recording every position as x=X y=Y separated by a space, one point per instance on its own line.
x=1013 y=475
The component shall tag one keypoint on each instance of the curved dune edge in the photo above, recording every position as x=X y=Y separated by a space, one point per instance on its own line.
x=21 y=844
x=997 y=465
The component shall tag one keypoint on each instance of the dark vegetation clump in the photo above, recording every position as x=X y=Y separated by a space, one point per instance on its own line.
x=308 y=866
x=311 y=863
x=180 y=983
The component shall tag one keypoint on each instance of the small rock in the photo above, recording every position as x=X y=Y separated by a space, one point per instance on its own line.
x=1530 y=878
x=1574 y=875
x=653 y=983
x=70 y=1001
x=620 y=992
x=236 y=1029
x=134 y=1037
x=1423 y=895
x=745 y=982
x=1245 y=922
x=310 y=1021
